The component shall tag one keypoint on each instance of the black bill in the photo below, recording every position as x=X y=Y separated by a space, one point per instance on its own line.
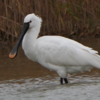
x=14 y=51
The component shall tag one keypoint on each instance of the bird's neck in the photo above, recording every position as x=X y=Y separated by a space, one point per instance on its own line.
x=30 y=38
x=32 y=34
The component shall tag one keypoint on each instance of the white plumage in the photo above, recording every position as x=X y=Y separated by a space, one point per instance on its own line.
x=57 y=53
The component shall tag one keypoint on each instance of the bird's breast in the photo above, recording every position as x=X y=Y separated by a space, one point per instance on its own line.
x=29 y=50
x=30 y=54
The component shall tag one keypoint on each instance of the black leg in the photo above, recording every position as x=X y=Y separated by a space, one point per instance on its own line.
x=61 y=80
x=66 y=81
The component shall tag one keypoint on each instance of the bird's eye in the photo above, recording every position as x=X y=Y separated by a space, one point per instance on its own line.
x=30 y=21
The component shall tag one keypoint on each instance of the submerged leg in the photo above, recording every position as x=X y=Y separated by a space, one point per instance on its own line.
x=61 y=80
x=66 y=81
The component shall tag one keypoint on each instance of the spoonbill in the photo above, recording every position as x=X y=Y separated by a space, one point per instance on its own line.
x=56 y=53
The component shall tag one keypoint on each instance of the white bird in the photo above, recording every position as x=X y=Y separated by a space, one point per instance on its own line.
x=56 y=53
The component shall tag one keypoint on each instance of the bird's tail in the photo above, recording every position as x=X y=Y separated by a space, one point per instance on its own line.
x=94 y=60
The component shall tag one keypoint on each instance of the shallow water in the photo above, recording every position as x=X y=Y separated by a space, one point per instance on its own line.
x=21 y=79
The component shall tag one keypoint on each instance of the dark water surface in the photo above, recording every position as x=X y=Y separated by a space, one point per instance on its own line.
x=22 y=79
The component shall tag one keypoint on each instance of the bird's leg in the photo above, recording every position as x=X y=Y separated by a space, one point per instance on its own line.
x=66 y=81
x=61 y=80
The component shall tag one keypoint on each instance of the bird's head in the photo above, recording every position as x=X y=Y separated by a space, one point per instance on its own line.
x=30 y=21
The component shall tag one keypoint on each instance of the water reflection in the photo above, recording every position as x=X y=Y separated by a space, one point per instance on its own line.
x=21 y=79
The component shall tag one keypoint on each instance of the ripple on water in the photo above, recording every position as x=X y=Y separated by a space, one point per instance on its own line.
x=79 y=88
